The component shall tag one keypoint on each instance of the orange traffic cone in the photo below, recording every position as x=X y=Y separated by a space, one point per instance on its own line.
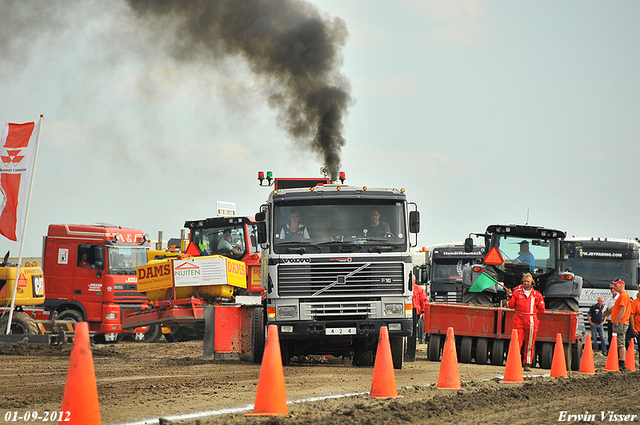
x=612 y=358
x=559 y=361
x=81 y=391
x=513 y=369
x=586 y=363
x=383 y=384
x=449 y=376
x=630 y=359
x=271 y=397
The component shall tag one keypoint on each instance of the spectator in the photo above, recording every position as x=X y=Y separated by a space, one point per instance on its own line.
x=528 y=304
x=608 y=305
x=620 y=317
x=596 y=318
x=634 y=320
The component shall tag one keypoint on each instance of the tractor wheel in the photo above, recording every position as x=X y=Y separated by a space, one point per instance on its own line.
x=21 y=324
x=482 y=348
x=564 y=304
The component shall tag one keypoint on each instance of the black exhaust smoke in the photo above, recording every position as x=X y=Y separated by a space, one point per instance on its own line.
x=287 y=44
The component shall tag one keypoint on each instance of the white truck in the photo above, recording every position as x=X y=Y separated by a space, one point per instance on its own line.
x=331 y=286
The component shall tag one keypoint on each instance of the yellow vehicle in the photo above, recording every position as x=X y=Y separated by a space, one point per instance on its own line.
x=27 y=318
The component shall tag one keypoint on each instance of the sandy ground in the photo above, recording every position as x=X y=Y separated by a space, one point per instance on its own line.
x=138 y=381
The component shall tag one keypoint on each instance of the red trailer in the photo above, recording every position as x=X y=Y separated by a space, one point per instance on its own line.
x=483 y=333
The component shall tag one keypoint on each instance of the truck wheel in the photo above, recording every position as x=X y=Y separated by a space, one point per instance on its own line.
x=497 y=352
x=546 y=355
x=70 y=315
x=466 y=344
x=363 y=358
x=257 y=336
x=482 y=348
x=21 y=324
x=286 y=352
x=397 y=350
x=433 y=350
x=153 y=334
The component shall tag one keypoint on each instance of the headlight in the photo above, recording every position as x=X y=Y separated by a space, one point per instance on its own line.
x=111 y=316
x=394 y=309
x=286 y=312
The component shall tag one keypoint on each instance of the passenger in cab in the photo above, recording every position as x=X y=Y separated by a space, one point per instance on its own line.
x=225 y=245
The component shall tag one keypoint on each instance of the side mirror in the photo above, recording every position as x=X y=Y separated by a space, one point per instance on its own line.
x=261 y=216
x=414 y=221
x=468 y=245
x=98 y=255
x=424 y=274
x=262 y=232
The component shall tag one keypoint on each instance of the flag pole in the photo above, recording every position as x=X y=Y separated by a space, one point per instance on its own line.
x=24 y=228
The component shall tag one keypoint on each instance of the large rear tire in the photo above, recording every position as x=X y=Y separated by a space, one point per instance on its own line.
x=21 y=324
x=563 y=304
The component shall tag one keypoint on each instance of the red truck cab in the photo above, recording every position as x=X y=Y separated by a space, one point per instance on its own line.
x=90 y=275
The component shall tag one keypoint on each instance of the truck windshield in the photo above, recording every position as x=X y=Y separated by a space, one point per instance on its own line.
x=598 y=272
x=538 y=254
x=337 y=223
x=124 y=260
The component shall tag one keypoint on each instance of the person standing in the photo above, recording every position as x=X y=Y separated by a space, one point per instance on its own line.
x=608 y=305
x=596 y=319
x=528 y=304
x=620 y=318
x=634 y=320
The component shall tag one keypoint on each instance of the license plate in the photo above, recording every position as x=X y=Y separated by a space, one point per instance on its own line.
x=340 y=331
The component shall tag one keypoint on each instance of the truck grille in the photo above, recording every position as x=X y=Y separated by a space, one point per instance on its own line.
x=347 y=279
x=127 y=293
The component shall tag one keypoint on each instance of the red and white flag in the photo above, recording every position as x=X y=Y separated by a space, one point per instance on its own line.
x=17 y=153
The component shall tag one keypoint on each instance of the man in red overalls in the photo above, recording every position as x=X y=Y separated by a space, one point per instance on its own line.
x=528 y=304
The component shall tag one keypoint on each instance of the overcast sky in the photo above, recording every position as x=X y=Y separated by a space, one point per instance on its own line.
x=486 y=112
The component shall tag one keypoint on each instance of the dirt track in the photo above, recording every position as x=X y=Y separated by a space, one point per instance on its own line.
x=139 y=381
